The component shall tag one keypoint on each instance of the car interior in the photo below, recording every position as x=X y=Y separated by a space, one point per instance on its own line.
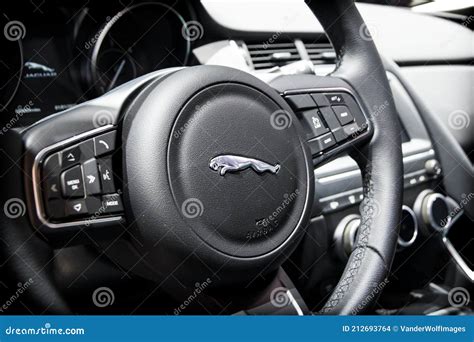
x=236 y=157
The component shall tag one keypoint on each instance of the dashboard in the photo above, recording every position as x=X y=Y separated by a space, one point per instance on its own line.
x=73 y=52
x=70 y=53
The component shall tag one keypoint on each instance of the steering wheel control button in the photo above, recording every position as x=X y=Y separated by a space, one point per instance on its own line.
x=351 y=129
x=339 y=134
x=76 y=207
x=336 y=113
x=112 y=203
x=55 y=209
x=71 y=156
x=321 y=143
x=343 y=114
x=51 y=166
x=105 y=143
x=52 y=188
x=91 y=177
x=330 y=118
x=320 y=100
x=335 y=99
x=71 y=182
x=315 y=124
x=300 y=102
x=74 y=155
x=106 y=175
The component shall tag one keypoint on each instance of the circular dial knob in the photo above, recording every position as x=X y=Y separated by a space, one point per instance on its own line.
x=345 y=235
x=408 y=228
x=435 y=211
x=433 y=167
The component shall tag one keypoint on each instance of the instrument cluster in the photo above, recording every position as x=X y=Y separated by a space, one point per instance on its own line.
x=60 y=55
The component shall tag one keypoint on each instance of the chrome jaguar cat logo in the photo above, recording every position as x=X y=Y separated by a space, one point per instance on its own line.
x=230 y=163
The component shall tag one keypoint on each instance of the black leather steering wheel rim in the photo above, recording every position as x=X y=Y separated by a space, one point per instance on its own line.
x=380 y=161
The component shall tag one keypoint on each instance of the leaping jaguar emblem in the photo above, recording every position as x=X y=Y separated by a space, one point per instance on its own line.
x=231 y=163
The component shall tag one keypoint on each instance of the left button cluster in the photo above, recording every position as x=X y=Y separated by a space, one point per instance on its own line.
x=79 y=181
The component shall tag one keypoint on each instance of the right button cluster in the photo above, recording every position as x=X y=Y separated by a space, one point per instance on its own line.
x=329 y=118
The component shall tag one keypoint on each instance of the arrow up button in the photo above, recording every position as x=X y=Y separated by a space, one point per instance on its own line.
x=91 y=177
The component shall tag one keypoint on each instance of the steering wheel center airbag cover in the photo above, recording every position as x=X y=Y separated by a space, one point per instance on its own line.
x=237 y=176
x=215 y=169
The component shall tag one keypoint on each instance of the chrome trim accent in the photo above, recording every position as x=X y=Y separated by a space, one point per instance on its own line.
x=338 y=176
x=36 y=175
x=342 y=169
x=350 y=163
x=346 y=228
x=402 y=243
x=445 y=311
x=418 y=156
x=301 y=48
x=294 y=303
x=245 y=52
x=453 y=206
x=355 y=191
x=458 y=259
x=427 y=212
x=233 y=163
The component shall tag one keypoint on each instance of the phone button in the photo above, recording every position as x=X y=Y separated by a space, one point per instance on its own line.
x=104 y=143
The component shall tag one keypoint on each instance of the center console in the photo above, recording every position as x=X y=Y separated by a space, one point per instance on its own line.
x=432 y=234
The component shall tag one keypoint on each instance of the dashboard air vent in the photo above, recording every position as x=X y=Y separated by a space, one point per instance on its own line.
x=320 y=53
x=266 y=56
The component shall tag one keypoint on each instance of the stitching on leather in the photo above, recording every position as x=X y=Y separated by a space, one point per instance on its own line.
x=368 y=210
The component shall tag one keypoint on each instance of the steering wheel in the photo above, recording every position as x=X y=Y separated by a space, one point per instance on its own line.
x=206 y=172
